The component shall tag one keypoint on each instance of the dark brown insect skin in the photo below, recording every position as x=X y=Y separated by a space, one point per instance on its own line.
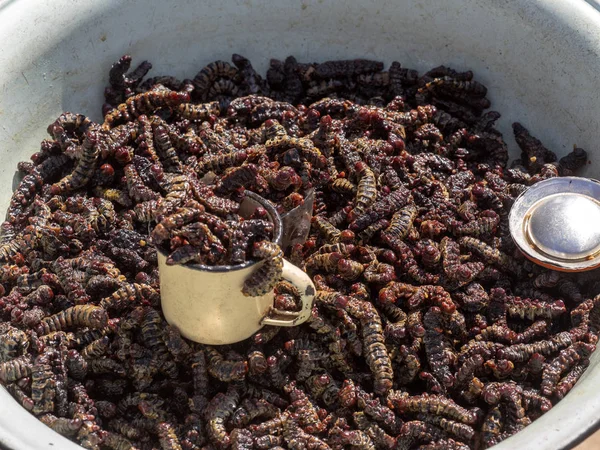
x=225 y=370
x=85 y=315
x=198 y=112
x=168 y=154
x=366 y=190
x=209 y=74
x=265 y=278
x=144 y=103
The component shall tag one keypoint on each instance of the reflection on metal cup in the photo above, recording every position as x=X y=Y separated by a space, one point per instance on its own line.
x=206 y=303
x=296 y=222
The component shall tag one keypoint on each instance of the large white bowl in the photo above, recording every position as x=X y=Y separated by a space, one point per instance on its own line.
x=540 y=59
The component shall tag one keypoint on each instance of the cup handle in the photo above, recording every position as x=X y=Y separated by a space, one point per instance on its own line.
x=307 y=294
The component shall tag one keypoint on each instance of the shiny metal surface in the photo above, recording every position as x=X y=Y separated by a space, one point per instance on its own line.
x=296 y=222
x=565 y=226
x=556 y=223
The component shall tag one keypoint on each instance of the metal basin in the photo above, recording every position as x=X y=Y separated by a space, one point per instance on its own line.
x=539 y=58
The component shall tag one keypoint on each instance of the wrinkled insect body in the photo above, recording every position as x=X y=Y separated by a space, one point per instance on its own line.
x=438 y=349
x=218 y=411
x=569 y=380
x=220 y=162
x=343 y=186
x=400 y=224
x=534 y=154
x=144 y=103
x=566 y=359
x=146 y=211
x=117 y=442
x=24 y=400
x=376 y=353
x=209 y=74
x=167 y=436
x=236 y=178
x=182 y=217
x=434 y=404
x=225 y=370
x=138 y=191
x=165 y=150
x=43 y=384
x=532 y=309
x=76 y=316
x=213 y=203
x=382 y=208
x=265 y=278
x=198 y=111
x=84 y=169
x=96 y=349
x=114 y=195
x=366 y=191
x=13 y=343
x=571 y=163
x=453 y=268
x=16 y=369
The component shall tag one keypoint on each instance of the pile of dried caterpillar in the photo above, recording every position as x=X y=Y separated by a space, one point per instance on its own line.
x=429 y=328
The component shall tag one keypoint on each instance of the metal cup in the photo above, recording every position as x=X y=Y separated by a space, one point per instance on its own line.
x=206 y=303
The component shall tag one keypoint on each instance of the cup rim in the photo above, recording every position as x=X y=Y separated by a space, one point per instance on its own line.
x=277 y=236
x=307 y=193
x=518 y=218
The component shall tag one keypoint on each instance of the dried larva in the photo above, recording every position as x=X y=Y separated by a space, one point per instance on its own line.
x=218 y=163
x=165 y=150
x=16 y=369
x=144 y=103
x=432 y=404
x=62 y=425
x=218 y=411
x=565 y=360
x=76 y=316
x=198 y=111
x=96 y=349
x=366 y=191
x=83 y=171
x=24 y=400
x=265 y=278
x=138 y=191
x=384 y=208
x=117 y=442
